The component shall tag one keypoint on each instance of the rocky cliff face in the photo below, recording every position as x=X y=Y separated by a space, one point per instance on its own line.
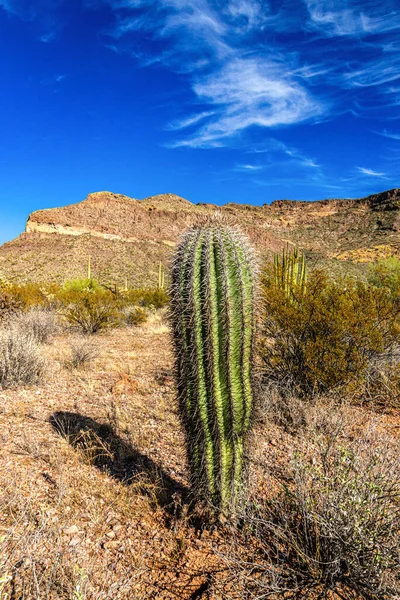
x=126 y=237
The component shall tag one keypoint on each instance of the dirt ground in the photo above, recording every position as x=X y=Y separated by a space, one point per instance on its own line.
x=93 y=484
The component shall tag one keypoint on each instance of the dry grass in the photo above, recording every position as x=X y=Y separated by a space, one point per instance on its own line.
x=93 y=485
x=82 y=352
x=38 y=323
x=332 y=530
x=21 y=362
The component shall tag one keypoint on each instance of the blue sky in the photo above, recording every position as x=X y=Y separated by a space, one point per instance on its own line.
x=215 y=100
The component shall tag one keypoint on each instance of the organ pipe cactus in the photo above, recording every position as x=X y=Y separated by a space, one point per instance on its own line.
x=290 y=272
x=212 y=313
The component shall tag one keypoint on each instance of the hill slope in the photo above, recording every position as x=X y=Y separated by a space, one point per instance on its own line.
x=126 y=237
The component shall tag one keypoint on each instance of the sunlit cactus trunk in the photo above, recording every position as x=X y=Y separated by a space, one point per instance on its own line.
x=212 y=308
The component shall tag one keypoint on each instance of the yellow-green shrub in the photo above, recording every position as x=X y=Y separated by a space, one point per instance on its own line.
x=29 y=295
x=81 y=285
x=330 y=336
x=148 y=297
x=386 y=273
x=90 y=312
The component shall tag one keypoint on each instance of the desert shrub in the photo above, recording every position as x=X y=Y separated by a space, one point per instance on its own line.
x=16 y=297
x=91 y=312
x=329 y=336
x=9 y=304
x=381 y=384
x=81 y=285
x=20 y=359
x=81 y=353
x=37 y=323
x=386 y=273
x=135 y=315
x=334 y=526
x=285 y=409
x=147 y=297
x=29 y=295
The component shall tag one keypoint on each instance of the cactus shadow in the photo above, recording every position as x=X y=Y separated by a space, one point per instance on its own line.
x=109 y=453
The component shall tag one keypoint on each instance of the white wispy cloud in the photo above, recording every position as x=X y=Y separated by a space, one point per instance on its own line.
x=193 y=26
x=189 y=121
x=376 y=73
x=248 y=14
x=351 y=18
x=49 y=36
x=370 y=172
x=302 y=160
x=250 y=92
x=238 y=88
x=369 y=52
x=251 y=83
x=41 y=12
x=335 y=22
x=245 y=83
x=309 y=162
x=249 y=167
x=389 y=135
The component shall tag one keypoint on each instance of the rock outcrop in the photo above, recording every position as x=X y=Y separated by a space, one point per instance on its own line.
x=127 y=237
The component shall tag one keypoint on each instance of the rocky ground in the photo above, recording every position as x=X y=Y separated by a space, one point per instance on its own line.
x=93 y=484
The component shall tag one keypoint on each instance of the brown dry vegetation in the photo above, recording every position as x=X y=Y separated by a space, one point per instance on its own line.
x=94 y=501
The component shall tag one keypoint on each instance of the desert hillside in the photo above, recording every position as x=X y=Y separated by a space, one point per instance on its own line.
x=126 y=237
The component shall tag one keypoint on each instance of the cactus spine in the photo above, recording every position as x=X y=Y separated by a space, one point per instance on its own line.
x=212 y=311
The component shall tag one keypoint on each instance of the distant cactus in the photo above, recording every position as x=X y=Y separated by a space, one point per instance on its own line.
x=290 y=272
x=161 y=276
x=212 y=310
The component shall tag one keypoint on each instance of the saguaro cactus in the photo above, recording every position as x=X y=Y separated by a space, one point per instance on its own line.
x=161 y=276
x=212 y=309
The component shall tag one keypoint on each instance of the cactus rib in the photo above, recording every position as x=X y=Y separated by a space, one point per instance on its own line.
x=212 y=310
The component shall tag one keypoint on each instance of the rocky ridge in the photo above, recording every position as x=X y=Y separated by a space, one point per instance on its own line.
x=126 y=237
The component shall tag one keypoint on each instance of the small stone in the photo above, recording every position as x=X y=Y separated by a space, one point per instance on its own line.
x=71 y=530
x=112 y=545
x=75 y=541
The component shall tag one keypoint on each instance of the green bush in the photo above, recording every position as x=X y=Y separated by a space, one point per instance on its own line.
x=14 y=297
x=330 y=336
x=91 y=312
x=386 y=273
x=147 y=297
x=28 y=295
x=81 y=285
